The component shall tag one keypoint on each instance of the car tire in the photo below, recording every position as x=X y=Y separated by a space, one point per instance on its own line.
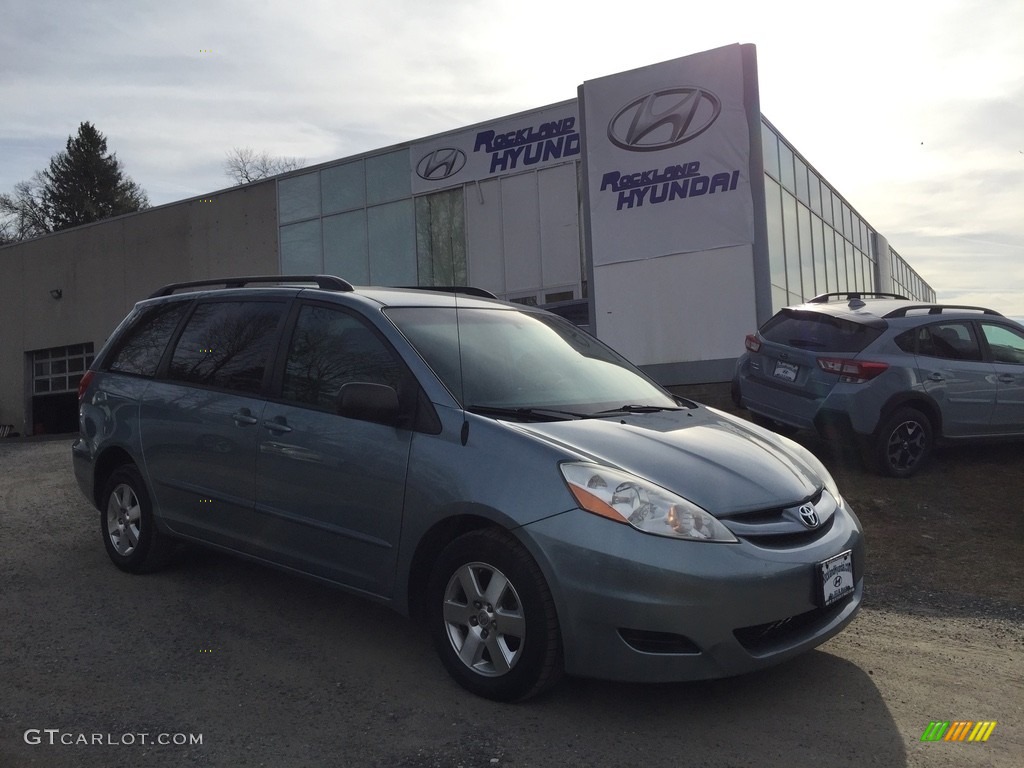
x=130 y=535
x=492 y=617
x=904 y=443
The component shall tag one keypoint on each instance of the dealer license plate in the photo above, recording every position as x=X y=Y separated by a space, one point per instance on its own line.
x=836 y=577
x=786 y=371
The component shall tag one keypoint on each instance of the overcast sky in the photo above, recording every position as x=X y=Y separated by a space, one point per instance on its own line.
x=913 y=110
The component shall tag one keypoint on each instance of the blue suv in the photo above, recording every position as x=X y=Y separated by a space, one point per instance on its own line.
x=892 y=375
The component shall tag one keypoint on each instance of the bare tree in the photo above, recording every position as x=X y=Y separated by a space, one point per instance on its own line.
x=245 y=164
x=22 y=214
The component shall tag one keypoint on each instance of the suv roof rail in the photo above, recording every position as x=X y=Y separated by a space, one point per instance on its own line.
x=469 y=290
x=326 y=282
x=938 y=309
x=823 y=298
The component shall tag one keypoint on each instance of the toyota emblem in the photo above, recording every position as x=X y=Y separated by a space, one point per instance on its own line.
x=808 y=516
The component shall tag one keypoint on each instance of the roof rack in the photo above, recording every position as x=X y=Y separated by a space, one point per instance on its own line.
x=469 y=290
x=325 y=282
x=938 y=309
x=854 y=295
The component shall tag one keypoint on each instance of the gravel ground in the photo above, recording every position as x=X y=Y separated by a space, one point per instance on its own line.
x=271 y=670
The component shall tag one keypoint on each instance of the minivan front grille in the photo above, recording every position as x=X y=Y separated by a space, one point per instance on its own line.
x=785 y=527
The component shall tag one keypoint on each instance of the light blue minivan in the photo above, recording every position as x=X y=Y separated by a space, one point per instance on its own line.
x=542 y=505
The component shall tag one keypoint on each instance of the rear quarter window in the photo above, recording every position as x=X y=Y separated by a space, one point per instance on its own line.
x=819 y=332
x=142 y=346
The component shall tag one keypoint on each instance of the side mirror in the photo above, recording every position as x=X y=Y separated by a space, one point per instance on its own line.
x=369 y=402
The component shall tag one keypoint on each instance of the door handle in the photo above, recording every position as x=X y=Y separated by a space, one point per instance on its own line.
x=244 y=418
x=1007 y=378
x=277 y=425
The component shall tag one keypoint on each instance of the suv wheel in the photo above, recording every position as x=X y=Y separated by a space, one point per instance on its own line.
x=493 y=619
x=904 y=443
x=126 y=521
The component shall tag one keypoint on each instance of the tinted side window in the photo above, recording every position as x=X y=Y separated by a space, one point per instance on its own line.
x=330 y=348
x=1006 y=344
x=227 y=345
x=813 y=330
x=950 y=341
x=143 y=345
x=907 y=341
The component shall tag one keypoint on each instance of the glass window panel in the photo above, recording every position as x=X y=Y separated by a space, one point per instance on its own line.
x=345 y=247
x=76 y=364
x=42 y=369
x=298 y=198
x=776 y=241
x=842 y=282
x=786 y=174
x=803 y=191
x=301 y=249
x=826 y=203
x=42 y=385
x=852 y=273
x=770 y=150
x=388 y=177
x=59 y=366
x=344 y=187
x=818 y=247
x=789 y=225
x=831 y=281
x=780 y=298
x=815 y=188
x=837 y=213
x=441 y=238
x=392 y=241
x=58 y=384
x=806 y=254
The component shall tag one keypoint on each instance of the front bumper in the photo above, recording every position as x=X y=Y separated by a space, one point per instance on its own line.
x=643 y=608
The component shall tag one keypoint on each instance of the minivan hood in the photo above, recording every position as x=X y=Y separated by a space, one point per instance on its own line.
x=721 y=463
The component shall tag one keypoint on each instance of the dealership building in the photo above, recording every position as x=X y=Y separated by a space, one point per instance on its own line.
x=660 y=209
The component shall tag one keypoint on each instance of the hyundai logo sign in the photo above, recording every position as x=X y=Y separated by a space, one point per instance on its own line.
x=664 y=119
x=440 y=164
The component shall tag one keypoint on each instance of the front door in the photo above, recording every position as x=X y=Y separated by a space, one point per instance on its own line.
x=330 y=490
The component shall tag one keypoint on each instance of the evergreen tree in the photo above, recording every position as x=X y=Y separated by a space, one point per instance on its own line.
x=85 y=183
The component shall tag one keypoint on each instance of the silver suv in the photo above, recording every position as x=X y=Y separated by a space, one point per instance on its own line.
x=493 y=469
x=891 y=374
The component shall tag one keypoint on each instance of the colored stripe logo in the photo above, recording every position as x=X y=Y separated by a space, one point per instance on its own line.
x=958 y=730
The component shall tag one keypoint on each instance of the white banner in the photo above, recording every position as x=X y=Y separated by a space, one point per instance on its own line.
x=668 y=157
x=510 y=145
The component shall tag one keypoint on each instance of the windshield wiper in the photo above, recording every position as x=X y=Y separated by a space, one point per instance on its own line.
x=637 y=409
x=549 y=414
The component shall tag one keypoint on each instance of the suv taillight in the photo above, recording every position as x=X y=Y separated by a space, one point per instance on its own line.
x=83 y=385
x=752 y=344
x=851 y=371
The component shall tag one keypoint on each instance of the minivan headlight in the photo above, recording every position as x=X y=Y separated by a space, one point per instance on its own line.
x=626 y=498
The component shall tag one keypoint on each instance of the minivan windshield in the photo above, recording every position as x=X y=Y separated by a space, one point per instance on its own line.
x=524 y=361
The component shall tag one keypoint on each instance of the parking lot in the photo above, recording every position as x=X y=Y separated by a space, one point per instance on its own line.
x=217 y=662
